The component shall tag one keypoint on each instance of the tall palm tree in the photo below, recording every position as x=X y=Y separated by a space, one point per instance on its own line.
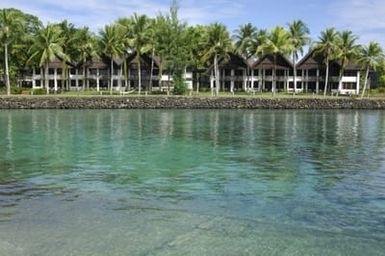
x=299 y=37
x=277 y=43
x=69 y=48
x=9 y=27
x=244 y=42
x=47 y=46
x=347 y=51
x=260 y=39
x=370 y=57
x=218 y=45
x=112 y=46
x=85 y=49
x=327 y=47
x=139 y=41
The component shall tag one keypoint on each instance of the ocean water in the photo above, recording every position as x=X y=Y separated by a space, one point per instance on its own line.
x=149 y=182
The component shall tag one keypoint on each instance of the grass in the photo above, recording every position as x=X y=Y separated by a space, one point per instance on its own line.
x=376 y=94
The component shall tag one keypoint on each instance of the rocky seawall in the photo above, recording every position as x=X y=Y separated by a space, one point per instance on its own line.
x=173 y=102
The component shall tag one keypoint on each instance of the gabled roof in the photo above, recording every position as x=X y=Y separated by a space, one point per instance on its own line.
x=98 y=63
x=314 y=60
x=234 y=61
x=311 y=61
x=58 y=63
x=144 y=58
x=267 y=62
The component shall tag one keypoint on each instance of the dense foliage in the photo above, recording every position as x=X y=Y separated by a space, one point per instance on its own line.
x=26 y=42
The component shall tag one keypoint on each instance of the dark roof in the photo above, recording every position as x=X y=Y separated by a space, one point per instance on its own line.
x=57 y=63
x=234 y=61
x=267 y=62
x=314 y=60
x=98 y=63
x=145 y=58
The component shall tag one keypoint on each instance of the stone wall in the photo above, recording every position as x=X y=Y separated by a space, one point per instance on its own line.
x=173 y=102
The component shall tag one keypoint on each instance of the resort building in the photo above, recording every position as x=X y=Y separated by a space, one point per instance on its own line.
x=235 y=74
x=96 y=74
x=312 y=74
x=238 y=74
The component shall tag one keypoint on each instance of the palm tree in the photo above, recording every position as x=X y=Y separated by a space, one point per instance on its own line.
x=244 y=42
x=139 y=41
x=85 y=49
x=299 y=37
x=327 y=46
x=112 y=46
x=347 y=50
x=218 y=45
x=278 y=42
x=9 y=26
x=69 y=48
x=370 y=57
x=47 y=46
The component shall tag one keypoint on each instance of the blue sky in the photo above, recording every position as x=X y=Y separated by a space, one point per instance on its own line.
x=364 y=17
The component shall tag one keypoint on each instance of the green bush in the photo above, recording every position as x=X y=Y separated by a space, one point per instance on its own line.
x=381 y=90
x=16 y=90
x=180 y=87
x=38 y=92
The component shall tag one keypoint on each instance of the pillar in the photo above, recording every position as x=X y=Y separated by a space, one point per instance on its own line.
x=358 y=82
x=55 y=80
x=263 y=79
x=232 y=80
x=317 y=82
x=97 y=80
x=252 y=79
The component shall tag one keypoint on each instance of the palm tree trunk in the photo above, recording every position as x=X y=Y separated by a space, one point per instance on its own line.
x=139 y=75
x=198 y=82
x=340 y=78
x=152 y=67
x=365 y=83
x=46 y=77
x=216 y=74
x=274 y=83
x=125 y=72
x=326 y=77
x=295 y=74
x=111 y=74
x=7 y=82
x=84 y=77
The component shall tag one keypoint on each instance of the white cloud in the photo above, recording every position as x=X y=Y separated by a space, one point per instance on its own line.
x=97 y=13
x=364 y=17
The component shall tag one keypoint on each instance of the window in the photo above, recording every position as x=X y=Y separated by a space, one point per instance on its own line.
x=256 y=72
x=280 y=72
x=93 y=71
x=51 y=71
x=238 y=72
x=348 y=86
x=312 y=72
x=268 y=72
x=59 y=71
x=351 y=73
x=227 y=72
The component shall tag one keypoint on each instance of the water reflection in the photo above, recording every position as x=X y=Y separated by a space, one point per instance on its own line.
x=284 y=162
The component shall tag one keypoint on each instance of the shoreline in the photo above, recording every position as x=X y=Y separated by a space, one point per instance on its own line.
x=183 y=102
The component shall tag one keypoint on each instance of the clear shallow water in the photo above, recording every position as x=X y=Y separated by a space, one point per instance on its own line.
x=192 y=183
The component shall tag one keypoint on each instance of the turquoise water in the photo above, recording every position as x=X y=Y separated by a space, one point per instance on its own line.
x=192 y=183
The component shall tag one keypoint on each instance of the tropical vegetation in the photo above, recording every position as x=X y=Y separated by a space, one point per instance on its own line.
x=26 y=42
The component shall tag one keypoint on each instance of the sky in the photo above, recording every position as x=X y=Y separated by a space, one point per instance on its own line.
x=366 y=18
